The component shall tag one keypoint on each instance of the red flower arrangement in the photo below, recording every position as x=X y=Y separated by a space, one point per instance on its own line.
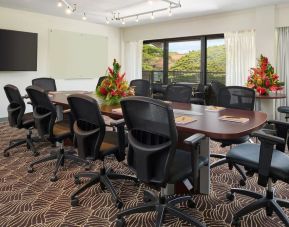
x=114 y=86
x=263 y=79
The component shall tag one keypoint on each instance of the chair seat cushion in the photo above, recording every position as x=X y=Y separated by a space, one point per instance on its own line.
x=110 y=143
x=61 y=129
x=27 y=120
x=247 y=155
x=283 y=109
x=182 y=166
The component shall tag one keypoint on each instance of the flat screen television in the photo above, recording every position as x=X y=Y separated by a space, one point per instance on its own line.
x=18 y=51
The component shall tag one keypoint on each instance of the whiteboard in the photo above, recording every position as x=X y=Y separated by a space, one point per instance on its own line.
x=76 y=55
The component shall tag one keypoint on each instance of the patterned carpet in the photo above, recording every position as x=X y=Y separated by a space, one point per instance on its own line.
x=32 y=200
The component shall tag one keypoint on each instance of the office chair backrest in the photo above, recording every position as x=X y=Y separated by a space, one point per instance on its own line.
x=152 y=137
x=237 y=97
x=44 y=111
x=16 y=107
x=141 y=87
x=47 y=84
x=100 y=80
x=89 y=125
x=213 y=92
x=179 y=93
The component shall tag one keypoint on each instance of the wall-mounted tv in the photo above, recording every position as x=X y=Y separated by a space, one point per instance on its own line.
x=18 y=51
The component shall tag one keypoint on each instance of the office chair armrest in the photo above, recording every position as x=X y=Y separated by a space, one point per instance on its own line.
x=196 y=138
x=284 y=124
x=268 y=138
x=199 y=94
x=266 y=152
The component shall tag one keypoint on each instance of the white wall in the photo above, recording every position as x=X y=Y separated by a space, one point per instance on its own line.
x=263 y=19
x=39 y=23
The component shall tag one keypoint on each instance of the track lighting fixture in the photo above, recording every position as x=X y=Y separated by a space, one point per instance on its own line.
x=173 y=4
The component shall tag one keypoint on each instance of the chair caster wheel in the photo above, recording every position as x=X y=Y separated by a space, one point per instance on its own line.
x=74 y=202
x=87 y=167
x=119 y=204
x=146 y=199
x=36 y=154
x=28 y=147
x=137 y=183
x=230 y=196
x=242 y=182
x=30 y=170
x=191 y=204
x=77 y=180
x=53 y=178
x=6 y=154
x=236 y=222
x=120 y=222
x=102 y=186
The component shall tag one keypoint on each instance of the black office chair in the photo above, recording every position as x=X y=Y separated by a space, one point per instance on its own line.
x=199 y=95
x=153 y=155
x=235 y=97
x=178 y=93
x=47 y=84
x=158 y=90
x=19 y=119
x=271 y=165
x=141 y=87
x=95 y=142
x=100 y=79
x=212 y=94
x=284 y=110
x=44 y=113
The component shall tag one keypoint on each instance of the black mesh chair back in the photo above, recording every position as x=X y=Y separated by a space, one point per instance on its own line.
x=152 y=137
x=16 y=107
x=141 y=87
x=47 y=84
x=100 y=80
x=237 y=97
x=89 y=125
x=213 y=92
x=44 y=111
x=179 y=93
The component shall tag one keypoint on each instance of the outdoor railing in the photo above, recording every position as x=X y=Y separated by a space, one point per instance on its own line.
x=183 y=76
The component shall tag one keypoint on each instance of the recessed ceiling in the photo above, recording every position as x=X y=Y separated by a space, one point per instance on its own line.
x=98 y=10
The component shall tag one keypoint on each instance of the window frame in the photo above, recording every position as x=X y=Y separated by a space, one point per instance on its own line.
x=203 y=63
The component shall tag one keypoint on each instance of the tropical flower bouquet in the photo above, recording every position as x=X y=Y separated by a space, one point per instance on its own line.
x=263 y=79
x=114 y=86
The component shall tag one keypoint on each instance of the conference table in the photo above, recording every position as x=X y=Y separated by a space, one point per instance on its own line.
x=205 y=121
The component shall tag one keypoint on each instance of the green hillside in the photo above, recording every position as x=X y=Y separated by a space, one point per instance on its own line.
x=216 y=61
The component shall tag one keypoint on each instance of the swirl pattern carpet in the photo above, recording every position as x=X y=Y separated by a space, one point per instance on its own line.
x=30 y=199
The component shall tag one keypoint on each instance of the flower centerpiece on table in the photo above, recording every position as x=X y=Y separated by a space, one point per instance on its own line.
x=114 y=86
x=263 y=78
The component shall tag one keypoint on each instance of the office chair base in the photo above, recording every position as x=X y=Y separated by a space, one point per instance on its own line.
x=223 y=160
x=60 y=156
x=161 y=204
x=269 y=202
x=29 y=141
x=103 y=178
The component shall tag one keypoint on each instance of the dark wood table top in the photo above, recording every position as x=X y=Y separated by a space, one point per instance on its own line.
x=207 y=121
x=272 y=95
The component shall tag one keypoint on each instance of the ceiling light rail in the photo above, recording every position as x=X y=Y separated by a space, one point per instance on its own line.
x=117 y=17
x=70 y=8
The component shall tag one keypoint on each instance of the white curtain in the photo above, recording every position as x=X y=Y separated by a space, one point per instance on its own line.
x=283 y=65
x=240 y=56
x=133 y=60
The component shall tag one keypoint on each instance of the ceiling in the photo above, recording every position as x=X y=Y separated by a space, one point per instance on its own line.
x=97 y=10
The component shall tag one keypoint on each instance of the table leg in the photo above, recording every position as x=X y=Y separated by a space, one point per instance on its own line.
x=205 y=170
x=59 y=112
